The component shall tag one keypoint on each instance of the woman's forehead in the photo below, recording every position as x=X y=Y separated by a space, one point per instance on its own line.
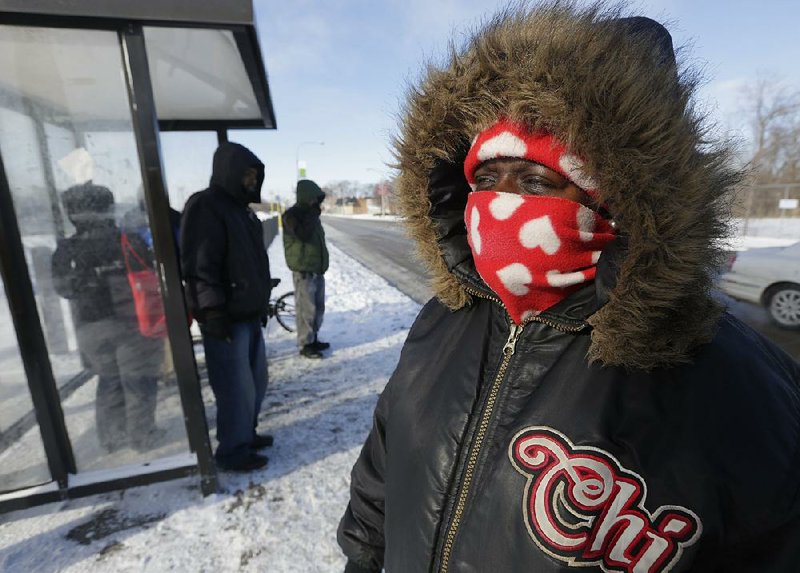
x=512 y=162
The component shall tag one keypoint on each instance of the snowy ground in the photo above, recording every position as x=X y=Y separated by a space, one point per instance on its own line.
x=280 y=519
x=757 y=233
x=368 y=217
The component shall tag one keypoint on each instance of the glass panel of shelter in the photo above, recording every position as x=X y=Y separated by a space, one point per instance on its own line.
x=22 y=458
x=187 y=173
x=70 y=154
x=198 y=74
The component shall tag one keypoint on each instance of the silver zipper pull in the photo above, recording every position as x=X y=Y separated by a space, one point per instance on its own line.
x=513 y=336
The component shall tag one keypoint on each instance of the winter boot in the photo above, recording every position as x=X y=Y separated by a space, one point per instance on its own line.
x=247 y=463
x=309 y=351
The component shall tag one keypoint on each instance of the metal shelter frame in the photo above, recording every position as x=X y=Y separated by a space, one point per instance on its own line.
x=128 y=20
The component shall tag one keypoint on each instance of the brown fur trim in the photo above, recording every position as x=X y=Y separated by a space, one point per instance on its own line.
x=569 y=71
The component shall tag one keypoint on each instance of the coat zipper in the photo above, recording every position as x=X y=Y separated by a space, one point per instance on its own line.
x=455 y=522
x=477 y=445
x=551 y=323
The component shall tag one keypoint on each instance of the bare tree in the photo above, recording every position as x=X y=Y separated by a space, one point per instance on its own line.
x=772 y=109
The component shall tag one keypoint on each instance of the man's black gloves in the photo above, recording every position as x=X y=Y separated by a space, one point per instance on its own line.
x=216 y=324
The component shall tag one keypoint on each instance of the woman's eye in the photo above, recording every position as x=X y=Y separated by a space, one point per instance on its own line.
x=482 y=181
x=537 y=183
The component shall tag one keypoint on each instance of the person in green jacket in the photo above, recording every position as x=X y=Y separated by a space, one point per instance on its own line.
x=307 y=257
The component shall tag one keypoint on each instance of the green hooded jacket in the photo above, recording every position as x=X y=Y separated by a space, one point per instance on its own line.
x=303 y=235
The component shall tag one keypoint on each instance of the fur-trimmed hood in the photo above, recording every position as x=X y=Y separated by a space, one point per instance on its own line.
x=611 y=91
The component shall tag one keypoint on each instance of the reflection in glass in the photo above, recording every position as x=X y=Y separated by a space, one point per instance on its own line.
x=70 y=154
x=22 y=458
x=90 y=270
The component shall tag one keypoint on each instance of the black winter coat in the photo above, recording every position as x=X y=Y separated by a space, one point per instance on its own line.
x=223 y=260
x=500 y=452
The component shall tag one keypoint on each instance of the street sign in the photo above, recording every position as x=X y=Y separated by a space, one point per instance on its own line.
x=788 y=203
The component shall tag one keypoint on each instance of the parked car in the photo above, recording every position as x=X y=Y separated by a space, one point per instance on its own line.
x=769 y=277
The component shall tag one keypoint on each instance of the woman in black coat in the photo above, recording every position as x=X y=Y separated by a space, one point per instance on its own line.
x=573 y=396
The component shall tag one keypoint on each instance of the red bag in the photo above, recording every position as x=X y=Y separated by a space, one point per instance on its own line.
x=146 y=293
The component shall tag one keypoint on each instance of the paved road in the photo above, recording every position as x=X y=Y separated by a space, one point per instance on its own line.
x=383 y=247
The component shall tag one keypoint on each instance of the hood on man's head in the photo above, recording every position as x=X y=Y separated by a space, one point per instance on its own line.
x=309 y=193
x=231 y=161
x=87 y=203
x=609 y=87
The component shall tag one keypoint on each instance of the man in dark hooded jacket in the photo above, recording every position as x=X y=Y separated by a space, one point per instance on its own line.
x=307 y=257
x=226 y=270
x=573 y=398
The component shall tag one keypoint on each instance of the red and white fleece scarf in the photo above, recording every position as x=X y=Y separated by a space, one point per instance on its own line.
x=532 y=251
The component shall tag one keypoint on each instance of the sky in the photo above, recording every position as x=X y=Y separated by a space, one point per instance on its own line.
x=338 y=71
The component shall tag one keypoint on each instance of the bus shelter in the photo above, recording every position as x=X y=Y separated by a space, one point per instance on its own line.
x=91 y=397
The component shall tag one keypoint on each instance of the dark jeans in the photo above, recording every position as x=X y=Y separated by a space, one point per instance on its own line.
x=237 y=372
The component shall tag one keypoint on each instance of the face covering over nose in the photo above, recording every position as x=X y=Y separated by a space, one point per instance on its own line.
x=533 y=251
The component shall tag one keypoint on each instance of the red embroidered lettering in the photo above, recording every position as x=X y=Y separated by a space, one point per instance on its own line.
x=582 y=507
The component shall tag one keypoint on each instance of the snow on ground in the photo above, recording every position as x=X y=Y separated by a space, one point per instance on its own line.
x=281 y=519
x=758 y=233
x=367 y=216
x=769 y=227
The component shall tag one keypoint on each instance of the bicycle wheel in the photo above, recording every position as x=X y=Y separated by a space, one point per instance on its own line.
x=284 y=311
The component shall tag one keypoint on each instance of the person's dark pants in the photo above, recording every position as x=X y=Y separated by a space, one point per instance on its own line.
x=309 y=305
x=237 y=372
x=127 y=366
x=140 y=360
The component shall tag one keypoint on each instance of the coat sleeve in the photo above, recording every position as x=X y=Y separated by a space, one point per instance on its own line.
x=203 y=248
x=360 y=532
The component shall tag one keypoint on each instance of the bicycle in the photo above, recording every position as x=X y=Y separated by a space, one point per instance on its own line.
x=282 y=308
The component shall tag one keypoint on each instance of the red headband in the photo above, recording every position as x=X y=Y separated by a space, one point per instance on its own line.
x=510 y=139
